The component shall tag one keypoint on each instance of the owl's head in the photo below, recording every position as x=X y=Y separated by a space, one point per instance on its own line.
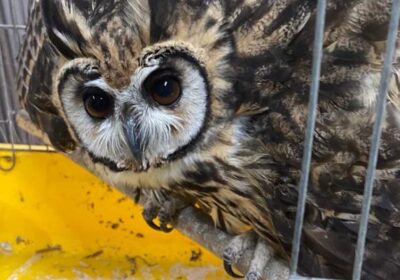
x=140 y=82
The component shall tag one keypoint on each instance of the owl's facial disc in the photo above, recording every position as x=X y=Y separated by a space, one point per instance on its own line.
x=164 y=116
x=156 y=119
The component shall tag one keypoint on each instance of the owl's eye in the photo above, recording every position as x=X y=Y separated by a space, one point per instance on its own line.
x=98 y=104
x=164 y=88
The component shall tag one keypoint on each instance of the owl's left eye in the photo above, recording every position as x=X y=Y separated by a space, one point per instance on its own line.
x=163 y=87
x=98 y=104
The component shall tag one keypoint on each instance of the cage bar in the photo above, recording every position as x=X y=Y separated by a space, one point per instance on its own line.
x=308 y=143
x=376 y=137
x=8 y=122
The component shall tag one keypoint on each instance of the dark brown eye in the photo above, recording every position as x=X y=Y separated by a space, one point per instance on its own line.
x=98 y=104
x=164 y=88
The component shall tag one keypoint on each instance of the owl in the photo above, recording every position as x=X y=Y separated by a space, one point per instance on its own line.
x=206 y=100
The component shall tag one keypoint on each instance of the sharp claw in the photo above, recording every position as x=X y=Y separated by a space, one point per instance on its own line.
x=165 y=227
x=153 y=225
x=164 y=212
x=165 y=221
x=149 y=216
x=229 y=269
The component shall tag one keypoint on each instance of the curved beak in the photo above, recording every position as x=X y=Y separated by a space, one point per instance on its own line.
x=132 y=136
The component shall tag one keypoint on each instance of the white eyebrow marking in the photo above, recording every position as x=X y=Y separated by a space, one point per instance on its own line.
x=100 y=83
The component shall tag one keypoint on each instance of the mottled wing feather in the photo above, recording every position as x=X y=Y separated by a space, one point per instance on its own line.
x=263 y=49
x=279 y=76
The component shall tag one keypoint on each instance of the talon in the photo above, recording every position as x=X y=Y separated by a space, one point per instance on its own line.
x=151 y=212
x=165 y=221
x=166 y=227
x=149 y=215
x=153 y=225
x=229 y=269
x=164 y=208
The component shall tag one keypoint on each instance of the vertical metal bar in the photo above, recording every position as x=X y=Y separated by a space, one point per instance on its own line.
x=30 y=139
x=14 y=23
x=25 y=9
x=376 y=137
x=3 y=81
x=9 y=121
x=8 y=65
x=308 y=143
x=17 y=38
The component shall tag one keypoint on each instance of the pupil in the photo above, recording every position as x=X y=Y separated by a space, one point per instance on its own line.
x=99 y=103
x=163 y=88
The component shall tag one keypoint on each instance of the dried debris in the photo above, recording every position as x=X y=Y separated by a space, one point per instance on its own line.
x=196 y=255
x=94 y=255
x=49 y=249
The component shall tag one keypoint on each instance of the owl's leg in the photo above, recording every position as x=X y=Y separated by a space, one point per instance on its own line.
x=234 y=251
x=165 y=211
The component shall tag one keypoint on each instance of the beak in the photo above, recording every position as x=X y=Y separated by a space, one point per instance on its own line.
x=134 y=142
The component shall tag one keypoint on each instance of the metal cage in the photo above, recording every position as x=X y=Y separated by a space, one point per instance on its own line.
x=13 y=18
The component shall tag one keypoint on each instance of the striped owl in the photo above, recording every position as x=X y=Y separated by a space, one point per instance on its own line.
x=206 y=100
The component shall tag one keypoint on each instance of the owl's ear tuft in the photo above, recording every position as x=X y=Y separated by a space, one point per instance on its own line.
x=65 y=26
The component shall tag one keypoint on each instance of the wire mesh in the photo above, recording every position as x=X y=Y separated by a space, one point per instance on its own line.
x=13 y=18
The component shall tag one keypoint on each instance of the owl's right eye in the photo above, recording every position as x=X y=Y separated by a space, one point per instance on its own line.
x=98 y=103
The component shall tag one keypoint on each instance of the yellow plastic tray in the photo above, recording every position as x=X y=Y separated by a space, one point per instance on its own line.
x=57 y=221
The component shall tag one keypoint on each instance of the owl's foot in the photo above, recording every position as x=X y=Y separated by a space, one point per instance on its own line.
x=240 y=244
x=165 y=211
x=235 y=250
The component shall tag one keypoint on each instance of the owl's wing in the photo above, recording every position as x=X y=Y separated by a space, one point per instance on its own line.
x=274 y=42
x=37 y=59
x=274 y=47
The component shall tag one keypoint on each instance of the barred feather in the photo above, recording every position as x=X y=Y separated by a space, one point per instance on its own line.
x=244 y=165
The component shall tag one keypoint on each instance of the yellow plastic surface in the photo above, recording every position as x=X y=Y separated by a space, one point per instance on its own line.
x=57 y=221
